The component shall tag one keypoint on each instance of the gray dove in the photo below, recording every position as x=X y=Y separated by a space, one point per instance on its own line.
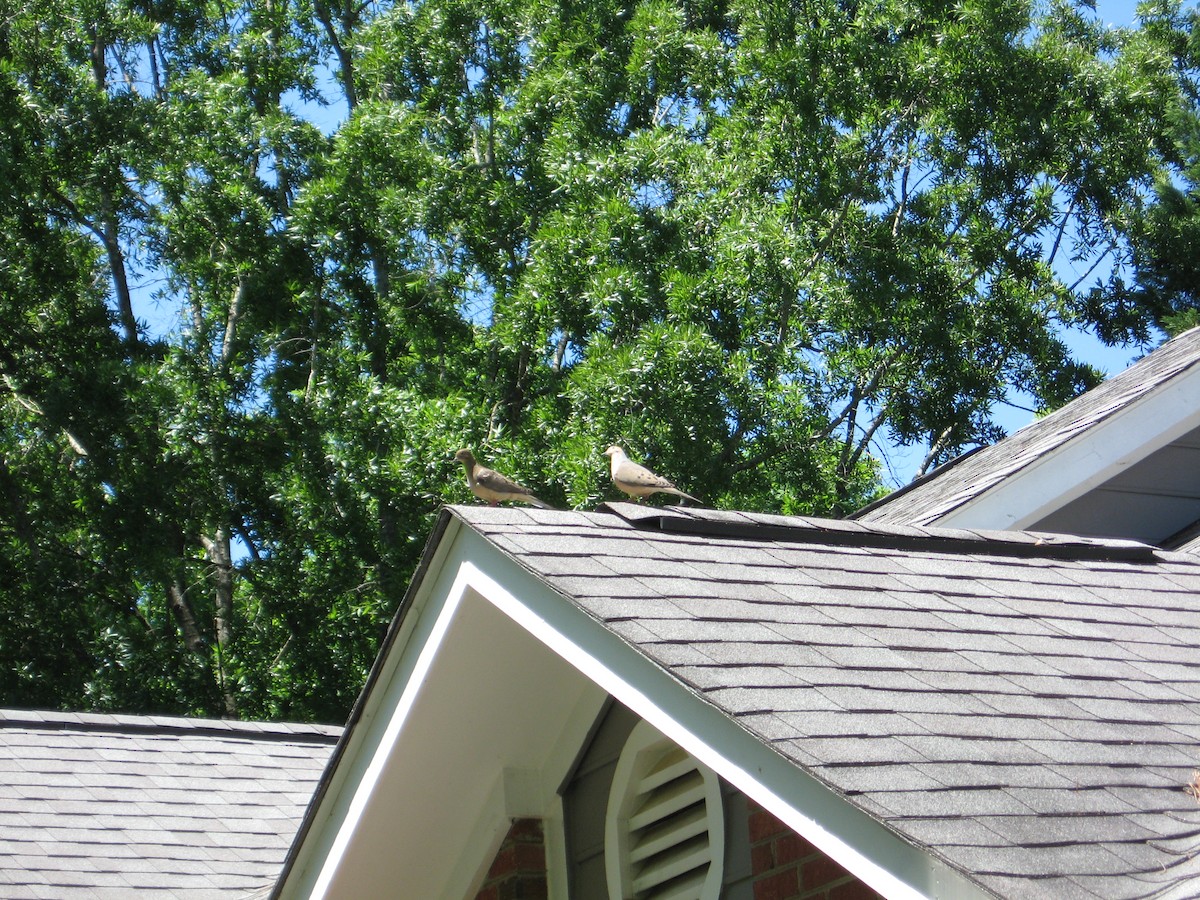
x=489 y=485
x=638 y=481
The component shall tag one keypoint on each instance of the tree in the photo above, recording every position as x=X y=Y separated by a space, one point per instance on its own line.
x=1165 y=232
x=747 y=240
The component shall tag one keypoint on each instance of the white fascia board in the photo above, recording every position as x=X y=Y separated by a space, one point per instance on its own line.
x=857 y=841
x=1126 y=437
x=351 y=779
x=446 y=606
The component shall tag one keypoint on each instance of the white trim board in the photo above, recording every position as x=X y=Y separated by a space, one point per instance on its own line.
x=850 y=836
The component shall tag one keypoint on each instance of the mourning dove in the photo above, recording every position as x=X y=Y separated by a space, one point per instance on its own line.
x=638 y=481
x=488 y=484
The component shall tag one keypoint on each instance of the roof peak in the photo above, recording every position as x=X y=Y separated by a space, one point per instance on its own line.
x=749 y=525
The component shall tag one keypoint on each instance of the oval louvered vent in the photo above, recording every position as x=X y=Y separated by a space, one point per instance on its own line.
x=664 y=836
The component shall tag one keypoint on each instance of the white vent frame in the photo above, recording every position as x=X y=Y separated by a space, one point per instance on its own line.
x=646 y=751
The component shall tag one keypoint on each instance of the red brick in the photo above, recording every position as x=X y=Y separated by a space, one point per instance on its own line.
x=763 y=825
x=530 y=858
x=819 y=872
x=779 y=886
x=505 y=862
x=525 y=830
x=791 y=847
x=762 y=858
x=519 y=870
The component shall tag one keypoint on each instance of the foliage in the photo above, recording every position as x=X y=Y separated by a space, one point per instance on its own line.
x=750 y=241
x=1165 y=246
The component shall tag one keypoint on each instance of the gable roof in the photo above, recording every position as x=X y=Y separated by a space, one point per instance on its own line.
x=1019 y=710
x=105 y=805
x=1122 y=459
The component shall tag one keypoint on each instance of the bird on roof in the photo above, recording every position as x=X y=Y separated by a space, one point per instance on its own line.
x=638 y=481
x=492 y=487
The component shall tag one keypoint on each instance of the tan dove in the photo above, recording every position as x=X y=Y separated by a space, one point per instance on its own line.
x=488 y=484
x=638 y=481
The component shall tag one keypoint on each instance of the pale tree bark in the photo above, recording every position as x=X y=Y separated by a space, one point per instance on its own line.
x=109 y=226
x=181 y=609
x=220 y=561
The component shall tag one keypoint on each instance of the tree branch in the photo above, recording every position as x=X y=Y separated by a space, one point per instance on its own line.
x=934 y=449
x=32 y=406
x=231 y=320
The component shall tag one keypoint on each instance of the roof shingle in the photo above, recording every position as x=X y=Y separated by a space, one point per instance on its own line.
x=1023 y=706
x=98 y=806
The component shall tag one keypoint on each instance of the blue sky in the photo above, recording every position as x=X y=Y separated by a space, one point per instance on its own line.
x=1117 y=12
x=901 y=463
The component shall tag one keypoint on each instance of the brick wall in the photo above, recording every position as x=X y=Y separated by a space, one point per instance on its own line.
x=784 y=865
x=519 y=870
x=787 y=867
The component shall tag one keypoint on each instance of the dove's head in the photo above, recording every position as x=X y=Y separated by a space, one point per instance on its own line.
x=465 y=456
x=614 y=450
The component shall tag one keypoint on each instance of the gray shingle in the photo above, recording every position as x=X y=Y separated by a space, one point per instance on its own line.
x=1079 y=800
x=949 y=831
x=1032 y=861
x=956 y=748
x=157 y=805
x=750 y=653
x=952 y=803
x=992 y=775
x=840 y=723
x=1031 y=830
x=828 y=635
x=910 y=702
x=721 y=630
x=835 y=750
x=859 y=779
x=743 y=701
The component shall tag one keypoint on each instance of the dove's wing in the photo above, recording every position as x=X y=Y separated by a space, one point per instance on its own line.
x=493 y=486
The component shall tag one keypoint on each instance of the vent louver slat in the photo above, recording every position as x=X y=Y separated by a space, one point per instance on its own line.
x=669 y=830
x=687 y=887
x=688 y=858
x=675 y=763
x=675 y=830
x=670 y=798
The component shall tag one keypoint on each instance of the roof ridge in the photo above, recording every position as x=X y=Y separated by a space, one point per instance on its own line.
x=760 y=526
x=1182 y=537
x=150 y=724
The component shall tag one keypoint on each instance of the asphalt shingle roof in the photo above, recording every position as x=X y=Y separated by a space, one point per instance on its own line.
x=1027 y=707
x=106 y=806
x=949 y=487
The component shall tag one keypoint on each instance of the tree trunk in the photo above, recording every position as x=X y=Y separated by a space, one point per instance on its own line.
x=221 y=562
x=184 y=617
